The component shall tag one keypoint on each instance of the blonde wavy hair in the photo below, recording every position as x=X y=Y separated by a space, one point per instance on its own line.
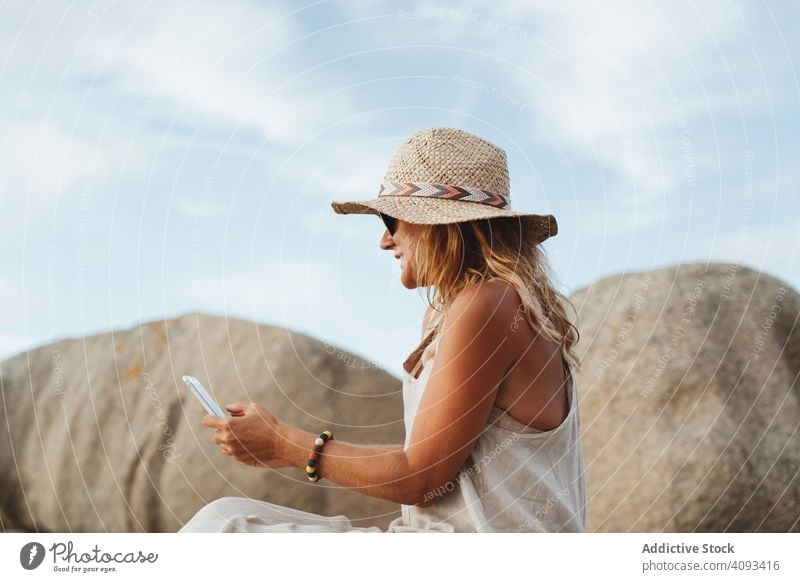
x=451 y=257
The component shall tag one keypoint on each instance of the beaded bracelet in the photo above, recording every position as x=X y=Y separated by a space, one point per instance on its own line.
x=313 y=457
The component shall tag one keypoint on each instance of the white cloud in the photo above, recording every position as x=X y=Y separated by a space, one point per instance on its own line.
x=227 y=63
x=614 y=94
x=615 y=82
x=40 y=164
x=43 y=163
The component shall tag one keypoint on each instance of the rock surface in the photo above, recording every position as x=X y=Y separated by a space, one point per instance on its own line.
x=689 y=400
x=106 y=436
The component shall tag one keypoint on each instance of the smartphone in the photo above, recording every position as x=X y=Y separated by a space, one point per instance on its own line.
x=203 y=396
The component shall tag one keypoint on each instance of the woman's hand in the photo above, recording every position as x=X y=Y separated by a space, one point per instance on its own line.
x=251 y=435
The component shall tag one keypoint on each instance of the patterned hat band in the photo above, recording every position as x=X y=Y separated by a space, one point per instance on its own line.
x=445 y=191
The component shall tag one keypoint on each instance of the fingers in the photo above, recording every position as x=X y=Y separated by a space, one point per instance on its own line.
x=220 y=438
x=226 y=442
x=235 y=409
x=234 y=435
x=212 y=421
x=238 y=408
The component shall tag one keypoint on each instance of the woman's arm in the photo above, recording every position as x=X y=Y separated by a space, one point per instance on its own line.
x=471 y=362
x=256 y=437
x=379 y=471
x=470 y=365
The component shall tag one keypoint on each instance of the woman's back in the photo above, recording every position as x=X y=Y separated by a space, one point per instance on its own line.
x=534 y=391
x=514 y=480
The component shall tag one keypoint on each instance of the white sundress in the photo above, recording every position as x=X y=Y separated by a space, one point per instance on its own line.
x=516 y=479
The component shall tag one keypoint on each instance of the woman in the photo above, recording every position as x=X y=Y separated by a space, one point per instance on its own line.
x=491 y=404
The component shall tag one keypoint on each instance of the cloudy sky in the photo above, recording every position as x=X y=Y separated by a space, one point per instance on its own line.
x=162 y=158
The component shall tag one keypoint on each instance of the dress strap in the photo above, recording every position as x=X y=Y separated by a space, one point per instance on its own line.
x=413 y=362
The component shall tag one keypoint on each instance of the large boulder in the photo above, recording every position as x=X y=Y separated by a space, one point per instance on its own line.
x=688 y=392
x=689 y=400
x=104 y=435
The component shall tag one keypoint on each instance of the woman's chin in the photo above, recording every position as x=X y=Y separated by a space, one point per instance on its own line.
x=407 y=281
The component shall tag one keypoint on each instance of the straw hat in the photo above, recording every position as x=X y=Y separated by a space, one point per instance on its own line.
x=444 y=175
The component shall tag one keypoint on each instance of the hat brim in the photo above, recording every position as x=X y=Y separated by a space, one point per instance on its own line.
x=428 y=210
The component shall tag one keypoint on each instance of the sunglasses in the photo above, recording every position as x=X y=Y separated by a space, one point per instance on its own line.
x=390 y=222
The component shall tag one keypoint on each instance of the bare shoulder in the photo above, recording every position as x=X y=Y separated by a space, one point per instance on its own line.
x=483 y=312
x=497 y=300
x=490 y=305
